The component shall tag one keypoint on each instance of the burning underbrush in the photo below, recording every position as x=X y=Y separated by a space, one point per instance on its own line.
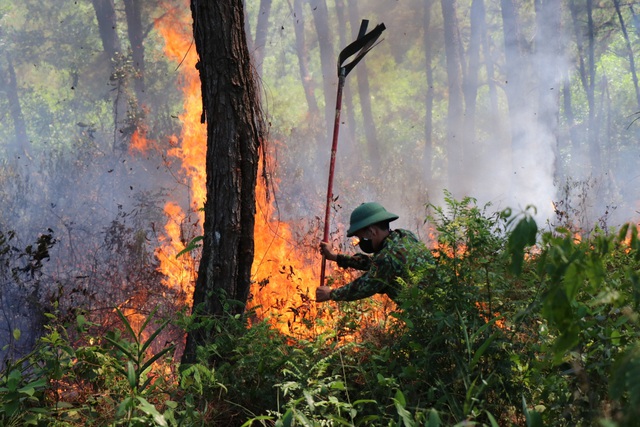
x=468 y=329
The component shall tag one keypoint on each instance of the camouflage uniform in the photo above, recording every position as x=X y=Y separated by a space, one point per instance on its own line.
x=400 y=254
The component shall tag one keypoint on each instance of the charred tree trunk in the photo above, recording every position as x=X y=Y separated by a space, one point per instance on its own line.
x=234 y=135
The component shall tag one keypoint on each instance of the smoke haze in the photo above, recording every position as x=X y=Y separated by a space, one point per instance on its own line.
x=68 y=164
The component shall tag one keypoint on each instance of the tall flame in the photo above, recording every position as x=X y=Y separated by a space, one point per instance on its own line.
x=190 y=151
x=272 y=238
x=284 y=276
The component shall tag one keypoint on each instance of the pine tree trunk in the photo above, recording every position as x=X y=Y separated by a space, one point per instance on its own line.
x=231 y=110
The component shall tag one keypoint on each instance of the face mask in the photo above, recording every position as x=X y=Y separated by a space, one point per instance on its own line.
x=366 y=246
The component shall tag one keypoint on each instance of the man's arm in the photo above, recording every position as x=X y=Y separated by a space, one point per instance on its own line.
x=365 y=286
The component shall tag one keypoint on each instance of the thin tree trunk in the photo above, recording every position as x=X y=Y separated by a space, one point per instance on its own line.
x=514 y=70
x=636 y=20
x=327 y=61
x=632 y=64
x=579 y=136
x=106 y=17
x=594 y=148
x=136 y=39
x=107 y=25
x=470 y=93
x=567 y=105
x=234 y=134
x=455 y=107
x=348 y=114
x=490 y=71
x=428 y=103
x=303 y=60
x=549 y=47
x=22 y=143
x=364 y=93
x=260 y=41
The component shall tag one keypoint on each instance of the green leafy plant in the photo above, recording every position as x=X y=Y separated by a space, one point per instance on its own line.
x=20 y=397
x=133 y=351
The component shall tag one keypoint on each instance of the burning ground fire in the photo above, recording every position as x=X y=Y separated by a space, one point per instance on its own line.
x=284 y=275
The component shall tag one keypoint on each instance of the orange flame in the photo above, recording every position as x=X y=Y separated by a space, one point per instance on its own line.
x=278 y=278
x=139 y=141
x=284 y=275
x=488 y=315
x=190 y=150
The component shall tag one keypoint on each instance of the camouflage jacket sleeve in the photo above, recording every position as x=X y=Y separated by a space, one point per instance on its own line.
x=386 y=266
x=370 y=283
x=357 y=261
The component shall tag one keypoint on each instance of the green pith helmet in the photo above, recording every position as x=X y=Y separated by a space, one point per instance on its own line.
x=368 y=214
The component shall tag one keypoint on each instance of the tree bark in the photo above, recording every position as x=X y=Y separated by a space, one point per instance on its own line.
x=578 y=135
x=572 y=137
x=493 y=92
x=594 y=147
x=515 y=69
x=235 y=128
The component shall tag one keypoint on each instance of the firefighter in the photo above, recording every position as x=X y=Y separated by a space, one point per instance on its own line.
x=389 y=255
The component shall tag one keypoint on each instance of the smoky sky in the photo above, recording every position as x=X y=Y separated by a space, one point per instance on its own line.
x=406 y=177
x=539 y=171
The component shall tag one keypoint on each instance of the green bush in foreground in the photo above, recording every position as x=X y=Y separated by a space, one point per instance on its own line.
x=508 y=326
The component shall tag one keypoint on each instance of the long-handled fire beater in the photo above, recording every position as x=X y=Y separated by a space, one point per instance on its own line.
x=357 y=49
